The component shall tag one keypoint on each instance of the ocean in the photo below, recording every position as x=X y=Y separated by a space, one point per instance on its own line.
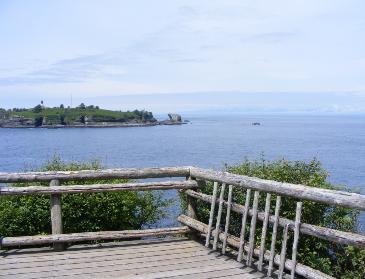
x=209 y=141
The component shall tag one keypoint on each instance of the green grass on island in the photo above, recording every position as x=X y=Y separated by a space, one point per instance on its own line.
x=82 y=114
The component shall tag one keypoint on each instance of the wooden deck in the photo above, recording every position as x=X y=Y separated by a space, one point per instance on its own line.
x=176 y=258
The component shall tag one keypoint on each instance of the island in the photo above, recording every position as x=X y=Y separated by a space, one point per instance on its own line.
x=81 y=116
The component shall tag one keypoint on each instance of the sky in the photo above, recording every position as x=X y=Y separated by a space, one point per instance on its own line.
x=229 y=55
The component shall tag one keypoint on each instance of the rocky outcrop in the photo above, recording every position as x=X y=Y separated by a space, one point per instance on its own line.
x=16 y=121
x=174 y=117
x=52 y=122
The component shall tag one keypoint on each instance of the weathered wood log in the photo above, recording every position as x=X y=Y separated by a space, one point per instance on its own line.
x=131 y=173
x=264 y=230
x=283 y=252
x=191 y=203
x=251 y=243
x=219 y=216
x=95 y=188
x=243 y=225
x=302 y=192
x=298 y=215
x=340 y=237
x=211 y=214
x=274 y=235
x=56 y=214
x=90 y=236
x=228 y=215
x=233 y=241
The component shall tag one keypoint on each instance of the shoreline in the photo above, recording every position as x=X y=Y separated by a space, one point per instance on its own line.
x=127 y=125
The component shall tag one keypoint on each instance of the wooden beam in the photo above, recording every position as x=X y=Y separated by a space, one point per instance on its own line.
x=245 y=211
x=340 y=237
x=131 y=173
x=226 y=227
x=264 y=230
x=251 y=242
x=56 y=214
x=90 y=236
x=274 y=235
x=298 y=216
x=283 y=252
x=233 y=241
x=211 y=214
x=96 y=188
x=326 y=196
x=219 y=216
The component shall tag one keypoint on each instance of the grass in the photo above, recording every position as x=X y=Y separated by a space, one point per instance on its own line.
x=71 y=115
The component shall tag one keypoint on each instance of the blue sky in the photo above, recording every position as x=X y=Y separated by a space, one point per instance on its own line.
x=231 y=55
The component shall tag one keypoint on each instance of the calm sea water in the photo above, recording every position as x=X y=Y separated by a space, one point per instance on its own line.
x=208 y=141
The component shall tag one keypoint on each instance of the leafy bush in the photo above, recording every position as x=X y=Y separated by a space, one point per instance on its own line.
x=38 y=121
x=36 y=109
x=72 y=115
x=30 y=215
x=333 y=259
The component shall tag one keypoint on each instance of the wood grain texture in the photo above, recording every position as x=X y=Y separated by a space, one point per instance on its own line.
x=298 y=215
x=90 y=236
x=234 y=241
x=228 y=216
x=130 y=173
x=211 y=214
x=283 y=252
x=243 y=225
x=344 y=238
x=56 y=213
x=97 y=188
x=264 y=231
x=219 y=216
x=180 y=259
x=332 y=197
x=251 y=242
x=274 y=235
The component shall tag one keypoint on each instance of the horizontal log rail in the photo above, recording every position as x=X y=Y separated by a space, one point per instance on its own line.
x=90 y=236
x=96 y=188
x=233 y=241
x=326 y=196
x=336 y=236
x=302 y=192
x=131 y=173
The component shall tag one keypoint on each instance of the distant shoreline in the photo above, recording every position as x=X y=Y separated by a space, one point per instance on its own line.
x=119 y=125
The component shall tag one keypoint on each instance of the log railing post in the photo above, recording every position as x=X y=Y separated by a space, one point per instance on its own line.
x=56 y=215
x=191 y=202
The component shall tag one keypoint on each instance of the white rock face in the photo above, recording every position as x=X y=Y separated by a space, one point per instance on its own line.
x=174 y=117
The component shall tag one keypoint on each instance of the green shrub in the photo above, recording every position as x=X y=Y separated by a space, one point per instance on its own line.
x=336 y=260
x=38 y=121
x=30 y=215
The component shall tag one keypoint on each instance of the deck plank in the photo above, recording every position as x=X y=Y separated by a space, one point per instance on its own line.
x=175 y=259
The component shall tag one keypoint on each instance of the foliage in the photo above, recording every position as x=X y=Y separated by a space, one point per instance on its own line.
x=38 y=121
x=30 y=215
x=68 y=116
x=336 y=260
x=82 y=106
x=36 y=109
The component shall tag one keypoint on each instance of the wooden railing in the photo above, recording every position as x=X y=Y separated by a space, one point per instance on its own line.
x=55 y=190
x=216 y=236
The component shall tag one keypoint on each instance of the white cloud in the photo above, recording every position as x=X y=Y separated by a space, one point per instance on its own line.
x=119 y=48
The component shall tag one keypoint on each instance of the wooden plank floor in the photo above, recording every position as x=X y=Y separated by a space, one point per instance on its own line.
x=177 y=258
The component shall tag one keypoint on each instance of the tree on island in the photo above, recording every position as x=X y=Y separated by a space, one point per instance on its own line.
x=82 y=119
x=82 y=106
x=37 y=109
x=38 y=121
